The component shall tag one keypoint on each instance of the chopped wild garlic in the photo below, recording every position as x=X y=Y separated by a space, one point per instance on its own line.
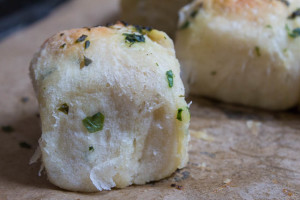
x=91 y=148
x=64 y=108
x=194 y=13
x=133 y=38
x=292 y=33
x=179 y=116
x=185 y=25
x=87 y=44
x=85 y=62
x=295 y=14
x=62 y=46
x=257 y=51
x=94 y=123
x=268 y=26
x=170 y=77
x=81 y=38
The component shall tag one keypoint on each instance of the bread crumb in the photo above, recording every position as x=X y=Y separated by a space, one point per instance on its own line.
x=227 y=181
x=202 y=135
x=253 y=126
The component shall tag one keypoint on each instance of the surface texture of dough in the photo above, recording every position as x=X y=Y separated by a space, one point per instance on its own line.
x=240 y=51
x=144 y=135
x=160 y=14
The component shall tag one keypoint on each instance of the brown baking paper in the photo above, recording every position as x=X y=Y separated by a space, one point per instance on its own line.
x=235 y=152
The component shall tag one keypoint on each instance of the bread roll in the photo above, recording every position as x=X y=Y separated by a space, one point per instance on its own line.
x=112 y=107
x=162 y=15
x=241 y=51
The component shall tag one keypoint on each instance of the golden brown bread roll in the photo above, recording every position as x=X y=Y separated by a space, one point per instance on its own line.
x=241 y=51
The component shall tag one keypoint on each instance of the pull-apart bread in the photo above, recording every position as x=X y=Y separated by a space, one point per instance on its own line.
x=242 y=51
x=112 y=107
x=160 y=14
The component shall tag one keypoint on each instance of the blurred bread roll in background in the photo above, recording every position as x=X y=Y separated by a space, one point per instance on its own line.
x=241 y=51
x=159 y=14
x=112 y=107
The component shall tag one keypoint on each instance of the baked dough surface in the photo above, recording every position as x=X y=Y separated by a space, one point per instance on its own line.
x=141 y=139
x=240 y=51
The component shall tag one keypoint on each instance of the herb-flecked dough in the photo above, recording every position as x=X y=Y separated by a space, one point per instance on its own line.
x=109 y=109
x=241 y=51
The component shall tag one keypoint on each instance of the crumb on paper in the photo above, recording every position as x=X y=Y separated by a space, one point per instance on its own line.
x=178 y=187
x=202 y=135
x=275 y=181
x=254 y=126
x=227 y=181
x=7 y=129
x=287 y=192
x=185 y=175
x=25 y=145
x=203 y=165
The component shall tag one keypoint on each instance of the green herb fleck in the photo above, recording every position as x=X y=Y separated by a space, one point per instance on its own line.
x=91 y=148
x=7 y=129
x=285 y=50
x=81 y=38
x=85 y=62
x=179 y=116
x=94 y=123
x=257 y=51
x=268 y=26
x=142 y=30
x=157 y=64
x=62 y=46
x=64 y=108
x=87 y=44
x=170 y=77
x=181 y=95
x=295 y=14
x=292 y=33
x=138 y=28
x=194 y=13
x=25 y=145
x=185 y=25
x=133 y=38
x=213 y=73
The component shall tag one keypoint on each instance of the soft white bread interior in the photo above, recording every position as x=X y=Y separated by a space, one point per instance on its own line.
x=160 y=14
x=241 y=51
x=112 y=107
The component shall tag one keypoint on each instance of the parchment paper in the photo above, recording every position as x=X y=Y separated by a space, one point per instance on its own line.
x=235 y=152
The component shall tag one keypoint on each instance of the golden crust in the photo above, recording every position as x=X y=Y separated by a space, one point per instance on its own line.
x=66 y=41
x=253 y=10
